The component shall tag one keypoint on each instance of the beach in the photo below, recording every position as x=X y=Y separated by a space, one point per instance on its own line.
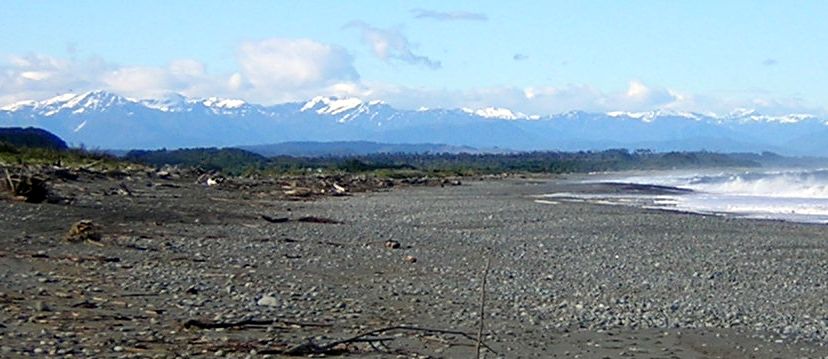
x=184 y=269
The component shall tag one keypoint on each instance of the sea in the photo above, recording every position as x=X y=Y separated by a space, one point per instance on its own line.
x=797 y=195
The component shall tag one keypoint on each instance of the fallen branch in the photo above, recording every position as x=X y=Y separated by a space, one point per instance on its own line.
x=335 y=347
x=195 y=323
x=402 y=328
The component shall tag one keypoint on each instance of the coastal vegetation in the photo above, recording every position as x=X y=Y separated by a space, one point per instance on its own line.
x=32 y=146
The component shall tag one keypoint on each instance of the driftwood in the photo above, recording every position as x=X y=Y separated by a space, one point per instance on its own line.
x=334 y=348
x=275 y=219
x=306 y=219
x=12 y=188
x=199 y=324
x=311 y=219
x=24 y=187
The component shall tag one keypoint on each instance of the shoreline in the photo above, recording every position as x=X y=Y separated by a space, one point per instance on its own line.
x=566 y=280
x=645 y=196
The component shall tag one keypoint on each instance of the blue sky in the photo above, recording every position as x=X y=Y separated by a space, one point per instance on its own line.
x=531 y=56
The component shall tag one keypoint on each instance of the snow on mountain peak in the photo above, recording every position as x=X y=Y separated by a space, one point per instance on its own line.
x=332 y=105
x=94 y=100
x=499 y=113
x=75 y=103
x=172 y=102
x=18 y=105
x=650 y=116
x=746 y=115
x=223 y=103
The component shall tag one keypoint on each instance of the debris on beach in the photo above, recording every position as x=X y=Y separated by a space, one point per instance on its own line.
x=299 y=192
x=321 y=220
x=83 y=230
x=24 y=187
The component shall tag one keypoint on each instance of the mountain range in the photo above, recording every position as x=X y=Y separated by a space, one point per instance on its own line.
x=100 y=119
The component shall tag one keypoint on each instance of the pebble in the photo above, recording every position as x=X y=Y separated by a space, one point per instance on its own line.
x=268 y=301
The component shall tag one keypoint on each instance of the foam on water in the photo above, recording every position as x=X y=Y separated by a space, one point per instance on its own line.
x=792 y=195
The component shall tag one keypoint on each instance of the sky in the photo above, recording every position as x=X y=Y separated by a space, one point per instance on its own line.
x=536 y=57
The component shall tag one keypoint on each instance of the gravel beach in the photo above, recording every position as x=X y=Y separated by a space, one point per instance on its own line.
x=183 y=269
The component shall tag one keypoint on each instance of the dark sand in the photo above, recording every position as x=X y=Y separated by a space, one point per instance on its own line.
x=567 y=280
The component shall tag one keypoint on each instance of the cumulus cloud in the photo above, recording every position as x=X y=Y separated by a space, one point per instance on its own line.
x=294 y=63
x=640 y=96
x=270 y=71
x=389 y=44
x=37 y=76
x=281 y=70
x=448 y=15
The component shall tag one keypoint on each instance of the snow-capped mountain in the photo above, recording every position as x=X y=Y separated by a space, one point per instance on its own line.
x=105 y=120
x=500 y=113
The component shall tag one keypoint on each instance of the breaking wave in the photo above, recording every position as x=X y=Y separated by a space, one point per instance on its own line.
x=791 y=195
x=791 y=184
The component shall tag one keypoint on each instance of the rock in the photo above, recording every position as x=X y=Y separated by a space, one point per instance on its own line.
x=410 y=259
x=392 y=244
x=83 y=230
x=215 y=181
x=268 y=301
x=40 y=306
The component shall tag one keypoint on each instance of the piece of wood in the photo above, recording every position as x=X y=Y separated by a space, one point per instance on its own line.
x=274 y=219
x=12 y=189
x=203 y=324
x=403 y=328
x=322 y=220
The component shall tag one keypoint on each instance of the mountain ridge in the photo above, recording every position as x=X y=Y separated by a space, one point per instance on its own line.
x=106 y=120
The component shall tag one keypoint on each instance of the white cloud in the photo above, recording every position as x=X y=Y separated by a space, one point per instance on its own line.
x=235 y=82
x=637 y=90
x=270 y=71
x=389 y=44
x=293 y=63
x=282 y=70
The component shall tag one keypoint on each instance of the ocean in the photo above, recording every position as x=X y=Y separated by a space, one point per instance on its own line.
x=798 y=195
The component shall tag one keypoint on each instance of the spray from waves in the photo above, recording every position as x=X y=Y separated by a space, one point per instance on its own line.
x=793 y=195
x=789 y=184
